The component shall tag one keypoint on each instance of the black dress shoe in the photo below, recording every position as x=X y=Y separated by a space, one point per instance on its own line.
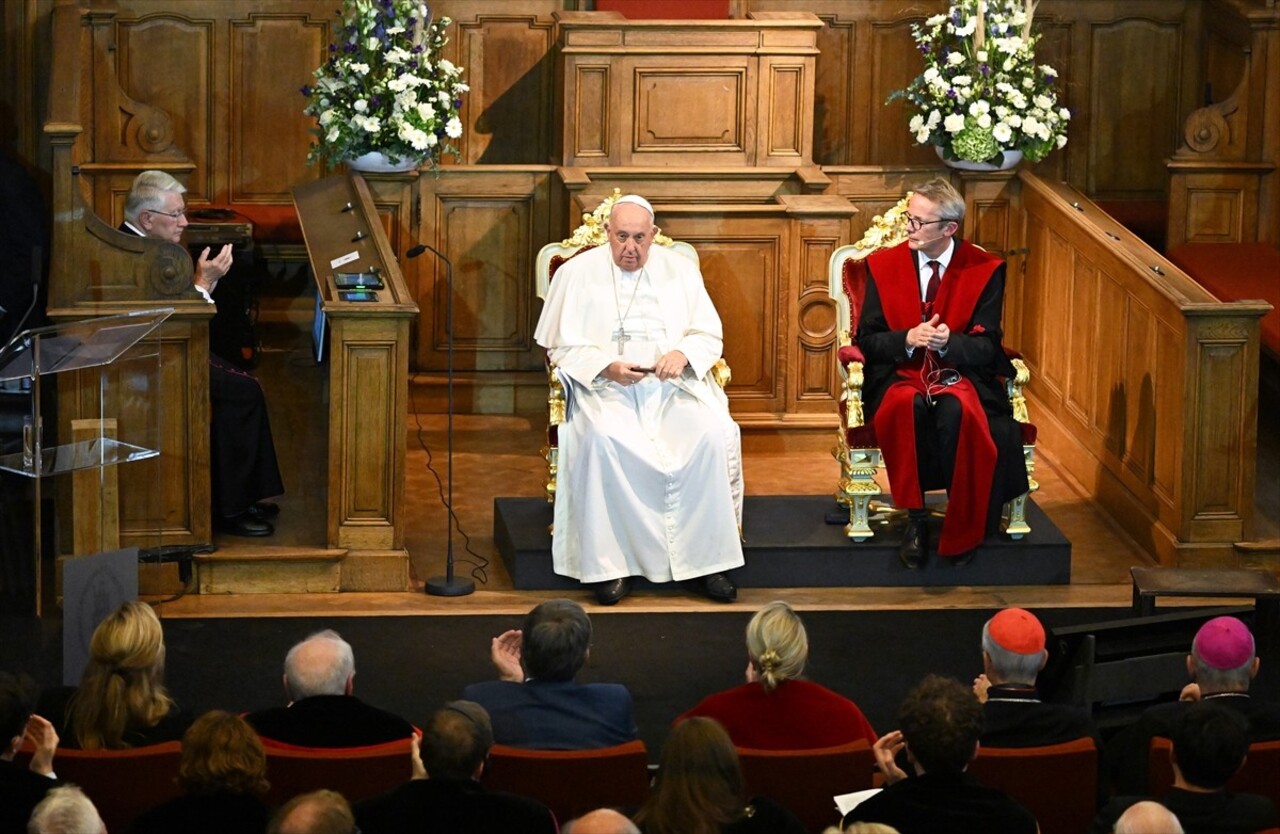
x=246 y=525
x=718 y=587
x=609 y=593
x=964 y=558
x=915 y=544
x=264 y=510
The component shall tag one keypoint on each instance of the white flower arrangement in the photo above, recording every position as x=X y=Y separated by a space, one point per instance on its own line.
x=385 y=87
x=981 y=92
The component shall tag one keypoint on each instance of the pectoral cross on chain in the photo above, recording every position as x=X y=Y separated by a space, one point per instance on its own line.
x=621 y=338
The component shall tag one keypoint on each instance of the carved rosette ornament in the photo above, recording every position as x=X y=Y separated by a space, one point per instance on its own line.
x=171 y=271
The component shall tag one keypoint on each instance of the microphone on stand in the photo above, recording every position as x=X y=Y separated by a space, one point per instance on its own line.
x=447 y=585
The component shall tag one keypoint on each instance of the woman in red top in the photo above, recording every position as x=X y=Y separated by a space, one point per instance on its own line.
x=776 y=709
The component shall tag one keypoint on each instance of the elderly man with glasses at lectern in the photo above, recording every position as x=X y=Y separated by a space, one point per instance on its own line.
x=930 y=332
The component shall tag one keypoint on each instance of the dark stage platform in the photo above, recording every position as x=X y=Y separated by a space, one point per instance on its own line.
x=790 y=545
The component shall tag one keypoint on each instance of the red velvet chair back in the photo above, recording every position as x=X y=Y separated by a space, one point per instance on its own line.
x=572 y=782
x=1058 y=783
x=805 y=781
x=121 y=783
x=854 y=277
x=355 y=772
x=1260 y=773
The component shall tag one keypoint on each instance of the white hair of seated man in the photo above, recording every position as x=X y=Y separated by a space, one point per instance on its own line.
x=66 y=810
x=1148 y=818
x=601 y=821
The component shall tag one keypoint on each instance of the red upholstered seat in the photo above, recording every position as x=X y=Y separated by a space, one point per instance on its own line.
x=572 y=782
x=122 y=784
x=1237 y=272
x=354 y=772
x=1057 y=783
x=807 y=781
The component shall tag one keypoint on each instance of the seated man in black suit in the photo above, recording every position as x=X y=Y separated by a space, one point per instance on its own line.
x=445 y=793
x=536 y=704
x=1222 y=665
x=242 y=453
x=940 y=723
x=22 y=788
x=1209 y=746
x=319 y=678
x=1013 y=653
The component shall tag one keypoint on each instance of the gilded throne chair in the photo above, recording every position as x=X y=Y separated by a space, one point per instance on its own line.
x=550 y=258
x=857 y=448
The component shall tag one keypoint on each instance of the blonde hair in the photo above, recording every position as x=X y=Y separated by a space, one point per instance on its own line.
x=122 y=686
x=944 y=195
x=777 y=644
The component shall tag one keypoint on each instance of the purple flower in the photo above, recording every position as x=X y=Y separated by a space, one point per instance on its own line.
x=306 y=90
x=413 y=65
x=457 y=102
x=333 y=47
x=375 y=101
x=984 y=69
x=951 y=93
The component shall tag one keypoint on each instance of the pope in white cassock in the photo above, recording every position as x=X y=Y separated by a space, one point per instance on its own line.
x=650 y=476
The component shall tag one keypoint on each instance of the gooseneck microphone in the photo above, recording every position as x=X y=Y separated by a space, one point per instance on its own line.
x=447 y=585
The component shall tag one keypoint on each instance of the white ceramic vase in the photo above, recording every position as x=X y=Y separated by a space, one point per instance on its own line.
x=376 y=162
x=1011 y=159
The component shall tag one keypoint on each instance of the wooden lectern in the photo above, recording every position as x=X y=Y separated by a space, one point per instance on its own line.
x=368 y=349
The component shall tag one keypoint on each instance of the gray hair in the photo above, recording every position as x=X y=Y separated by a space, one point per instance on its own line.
x=1011 y=666
x=319 y=665
x=949 y=201
x=65 y=810
x=1222 y=680
x=147 y=193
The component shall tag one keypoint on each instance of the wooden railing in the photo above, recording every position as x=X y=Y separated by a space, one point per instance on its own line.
x=1144 y=385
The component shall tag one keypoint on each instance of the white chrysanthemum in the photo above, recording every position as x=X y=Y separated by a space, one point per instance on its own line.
x=934 y=118
x=1049 y=71
x=395 y=30
x=425 y=111
x=936 y=20
x=360 y=106
x=962 y=81
x=1030 y=126
x=1043 y=102
x=953 y=123
x=955 y=59
x=453 y=128
x=1062 y=140
x=984 y=121
x=327 y=116
x=979 y=107
x=981 y=56
x=332 y=135
x=1007 y=66
x=930 y=73
x=1002 y=132
x=916 y=123
x=1028 y=84
x=360 y=68
x=922 y=135
x=1064 y=113
x=967 y=28
x=432 y=140
x=1014 y=120
x=447 y=65
x=443 y=98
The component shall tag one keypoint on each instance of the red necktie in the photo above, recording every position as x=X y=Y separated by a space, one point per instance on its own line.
x=931 y=292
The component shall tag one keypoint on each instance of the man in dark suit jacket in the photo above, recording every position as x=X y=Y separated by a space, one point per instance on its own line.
x=445 y=792
x=319 y=678
x=930 y=333
x=22 y=788
x=1013 y=653
x=1222 y=664
x=536 y=703
x=242 y=452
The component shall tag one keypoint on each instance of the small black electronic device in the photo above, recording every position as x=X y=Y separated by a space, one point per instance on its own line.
x=357 y=280
x=357 y=295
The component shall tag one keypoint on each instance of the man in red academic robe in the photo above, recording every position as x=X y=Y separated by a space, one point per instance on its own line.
x=930 y=333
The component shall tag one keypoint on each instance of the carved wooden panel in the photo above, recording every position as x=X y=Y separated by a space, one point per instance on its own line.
x=490 y=223
x=894 y=61
x=835 y=74
x=591 y=132
x=783 y=126
x=815 y=317
x=507 y=61
x=1143 y=112
x=167 y=62
x=711 y=114
x=1082 y=332
x=272 y=57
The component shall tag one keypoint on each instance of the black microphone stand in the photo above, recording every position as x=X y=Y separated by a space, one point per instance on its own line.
x=447 y=585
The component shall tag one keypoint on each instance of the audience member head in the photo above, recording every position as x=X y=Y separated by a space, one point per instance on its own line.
x=156 y=207
x=322 y=664
x=1209 y=745
x=556 y=639
x=936 y=213
x=1222 y=657
x=601 y=821
x=456 y=741
x=777 y=645
x=222 y=754
x=65 y=810
x=1013 y=647
x=631 y=231
x=318 y=812
x=122 y=687
x=17 y=699
x=699 y=787
x=863 y=828
x=1147 y=818
x=941 y=721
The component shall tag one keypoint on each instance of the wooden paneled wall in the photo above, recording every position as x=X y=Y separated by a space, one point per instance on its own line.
x=1143 y=385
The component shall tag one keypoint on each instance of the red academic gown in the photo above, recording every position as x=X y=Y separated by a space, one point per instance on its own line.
x=987 y=469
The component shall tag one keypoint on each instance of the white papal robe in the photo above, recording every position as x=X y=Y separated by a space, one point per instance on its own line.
x=650 y=474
